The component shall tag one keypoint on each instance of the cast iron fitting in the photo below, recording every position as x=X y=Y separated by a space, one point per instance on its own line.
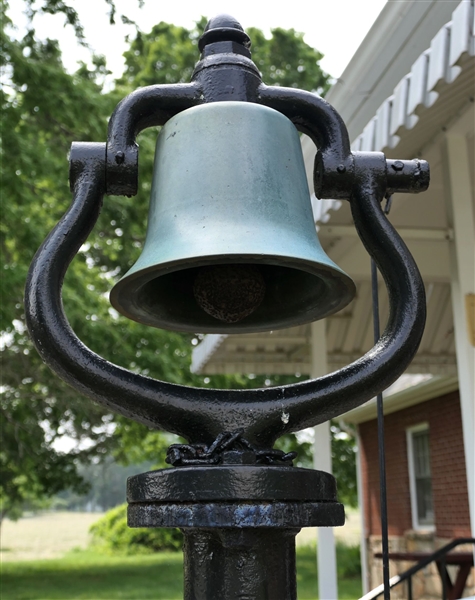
x=224 y=28
x=407 y=176
x=336 y=179
x=226 y=71
x=85 y=155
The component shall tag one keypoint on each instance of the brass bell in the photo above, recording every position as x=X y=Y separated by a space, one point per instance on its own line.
x=231 y=243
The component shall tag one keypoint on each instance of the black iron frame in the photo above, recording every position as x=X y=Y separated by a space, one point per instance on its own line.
x=245 y=519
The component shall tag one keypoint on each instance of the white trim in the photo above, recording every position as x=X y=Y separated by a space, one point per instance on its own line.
x=412 y=479
x=445 y=234
x=394 y=38
x=203 y=352
x=361 y=503
x=434 y=387
x=460 y=42
x=321 y=208
x=461 y=215
x=322 y=460
x=419 y=88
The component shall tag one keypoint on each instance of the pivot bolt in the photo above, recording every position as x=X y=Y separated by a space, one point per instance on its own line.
x=398 y=165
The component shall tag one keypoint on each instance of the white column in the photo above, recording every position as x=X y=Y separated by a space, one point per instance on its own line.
x=322 y=460
x=460 y=212
x=361 y=504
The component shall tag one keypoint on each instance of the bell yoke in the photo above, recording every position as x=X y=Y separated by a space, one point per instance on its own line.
x=231 y=247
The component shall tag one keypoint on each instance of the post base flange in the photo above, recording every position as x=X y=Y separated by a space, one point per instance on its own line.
x=237 y=515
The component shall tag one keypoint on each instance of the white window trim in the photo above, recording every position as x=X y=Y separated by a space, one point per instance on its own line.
x=412 y=479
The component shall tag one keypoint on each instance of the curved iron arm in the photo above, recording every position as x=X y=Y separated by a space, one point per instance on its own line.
x=312 y=115
x=200 y=415
x=335 y=165
x=146 y=107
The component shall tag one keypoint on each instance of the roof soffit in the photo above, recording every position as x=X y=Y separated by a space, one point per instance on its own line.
x=401 y=33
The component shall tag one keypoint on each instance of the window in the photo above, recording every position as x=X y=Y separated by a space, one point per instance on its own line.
x=420 y=481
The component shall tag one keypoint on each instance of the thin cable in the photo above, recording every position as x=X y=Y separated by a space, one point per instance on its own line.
x=381 y=443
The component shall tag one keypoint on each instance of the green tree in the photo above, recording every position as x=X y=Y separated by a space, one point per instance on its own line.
x=344 y=462
x=168 y=54
x=44 y=108
x=112 y=534
x=285 y=59
x=37 y=125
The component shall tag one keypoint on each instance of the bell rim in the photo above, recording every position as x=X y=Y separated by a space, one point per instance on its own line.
x=342 y=287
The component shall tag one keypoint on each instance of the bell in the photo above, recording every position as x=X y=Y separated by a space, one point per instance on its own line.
x=231 y=244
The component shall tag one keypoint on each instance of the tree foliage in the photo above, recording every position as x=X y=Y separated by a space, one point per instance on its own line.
x=38 y=120
x=112 y=534
x=285 y=59
x=45 y=108
x=168 y=54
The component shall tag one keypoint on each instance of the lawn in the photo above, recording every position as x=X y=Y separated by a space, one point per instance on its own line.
x=81 y=574
x=45 y=535
x=84 y=575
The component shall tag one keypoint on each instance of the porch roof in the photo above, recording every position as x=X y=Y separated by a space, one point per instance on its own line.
x=435 y=93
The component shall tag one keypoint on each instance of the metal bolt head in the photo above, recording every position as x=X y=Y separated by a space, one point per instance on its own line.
x=398 y=165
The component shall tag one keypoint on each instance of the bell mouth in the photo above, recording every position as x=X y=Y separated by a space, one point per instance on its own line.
x=266 y=296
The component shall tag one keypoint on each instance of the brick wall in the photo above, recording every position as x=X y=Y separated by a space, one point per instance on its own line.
x=449 y=485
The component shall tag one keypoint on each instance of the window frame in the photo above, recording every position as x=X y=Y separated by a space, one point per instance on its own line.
x=410 y=431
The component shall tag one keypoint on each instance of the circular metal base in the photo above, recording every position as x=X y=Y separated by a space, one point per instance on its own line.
x=231 y=483
x=237 y=515
x=236 y=496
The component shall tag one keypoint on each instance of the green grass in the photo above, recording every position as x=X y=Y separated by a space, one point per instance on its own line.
x=85 y=575
x=89 y=576
x=349 y=588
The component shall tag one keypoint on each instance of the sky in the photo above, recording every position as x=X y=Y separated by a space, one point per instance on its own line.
x=335 y=27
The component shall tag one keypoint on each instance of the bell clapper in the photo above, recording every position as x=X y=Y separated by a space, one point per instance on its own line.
x=229 y=293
